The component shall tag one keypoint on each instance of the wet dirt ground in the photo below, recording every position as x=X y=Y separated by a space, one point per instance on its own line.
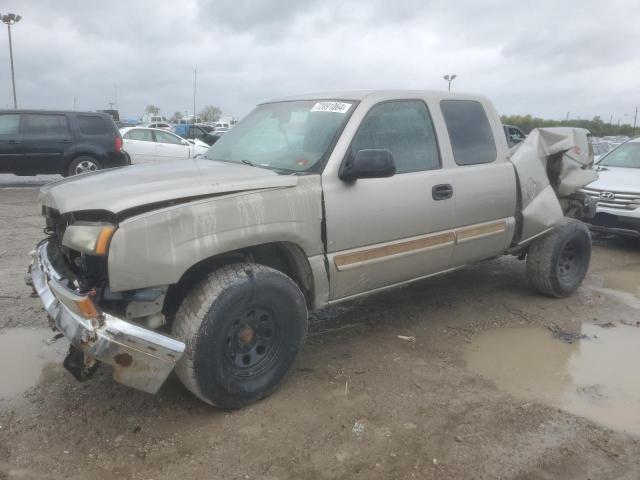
x=485 y=391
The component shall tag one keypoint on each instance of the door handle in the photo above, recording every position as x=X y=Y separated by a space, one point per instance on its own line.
x=66 y=140
x=442 y=191
x=13 y=142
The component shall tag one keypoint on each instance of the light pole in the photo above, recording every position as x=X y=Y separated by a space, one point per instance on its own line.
x=635 y=121
x=449 y=78
x=11 y=19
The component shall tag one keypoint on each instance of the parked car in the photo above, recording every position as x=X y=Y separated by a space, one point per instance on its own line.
x=514 y=135
x=149 y=145
x=211 y=266
x=617 y=191
x=191 y=132
x=46 y=141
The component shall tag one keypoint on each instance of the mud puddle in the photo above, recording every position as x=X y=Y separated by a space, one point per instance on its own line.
x=26 y=359
x=625 y=280
x=595 y=377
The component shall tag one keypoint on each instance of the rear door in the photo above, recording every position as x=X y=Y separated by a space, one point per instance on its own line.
x=384 y=231
x=46 y=136
x=170 y=147
x=11 y=147
x=140 y=145
x=483 y=180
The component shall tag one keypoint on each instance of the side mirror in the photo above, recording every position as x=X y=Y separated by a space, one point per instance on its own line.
x=368 y=164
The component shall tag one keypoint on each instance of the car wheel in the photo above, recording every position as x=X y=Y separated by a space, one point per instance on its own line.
x=83 y=164
x=243 y=326
x=558 y=262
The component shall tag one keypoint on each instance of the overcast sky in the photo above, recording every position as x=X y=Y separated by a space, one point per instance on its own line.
x=547 y=59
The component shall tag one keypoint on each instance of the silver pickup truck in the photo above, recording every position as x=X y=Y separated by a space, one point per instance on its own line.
x=209 y=266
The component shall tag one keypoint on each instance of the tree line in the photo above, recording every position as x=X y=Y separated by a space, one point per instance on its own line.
x=596 y=126
x=209 y=113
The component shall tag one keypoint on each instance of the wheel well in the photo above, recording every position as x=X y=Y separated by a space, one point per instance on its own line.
x=285 y=257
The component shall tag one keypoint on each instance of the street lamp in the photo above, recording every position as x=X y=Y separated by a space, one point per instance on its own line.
x=635 y=120
x=449 y=78
x=11 y=19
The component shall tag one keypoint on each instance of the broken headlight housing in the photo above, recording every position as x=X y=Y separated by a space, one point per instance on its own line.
x=92 y=238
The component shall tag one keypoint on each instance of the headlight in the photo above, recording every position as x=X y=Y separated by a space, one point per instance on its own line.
x=91 y=238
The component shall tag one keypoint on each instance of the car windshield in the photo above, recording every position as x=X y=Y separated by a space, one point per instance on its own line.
x=287 y=136
x=626 y=156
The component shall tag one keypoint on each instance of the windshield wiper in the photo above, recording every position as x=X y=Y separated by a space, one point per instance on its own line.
x=249 y=162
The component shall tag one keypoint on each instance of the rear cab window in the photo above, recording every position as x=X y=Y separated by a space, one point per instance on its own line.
x=469 y=131
x=92 y=125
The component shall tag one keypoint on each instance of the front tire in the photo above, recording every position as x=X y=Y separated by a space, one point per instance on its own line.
x=558 y=262
x=243 y=326
x=83 y=164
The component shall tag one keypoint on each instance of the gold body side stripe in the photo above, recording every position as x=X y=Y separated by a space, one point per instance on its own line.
x=377 y=253
x=469 y=233
x=374 y=254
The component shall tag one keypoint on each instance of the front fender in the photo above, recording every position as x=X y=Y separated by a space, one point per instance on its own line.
x=156 y=248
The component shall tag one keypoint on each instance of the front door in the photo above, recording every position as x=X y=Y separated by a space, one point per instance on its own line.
x=11 y=148
x=46 y=137
x=384 y=231
x=170 y=147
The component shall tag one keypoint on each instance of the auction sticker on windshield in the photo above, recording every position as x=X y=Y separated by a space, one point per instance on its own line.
x=334 y=107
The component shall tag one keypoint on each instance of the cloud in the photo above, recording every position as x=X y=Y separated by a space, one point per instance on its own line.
x=545 y=59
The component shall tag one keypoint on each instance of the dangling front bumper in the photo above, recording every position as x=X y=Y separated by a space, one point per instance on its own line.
x=141 y=358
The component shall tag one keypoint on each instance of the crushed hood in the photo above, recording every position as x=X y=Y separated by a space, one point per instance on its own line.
x=551 y=164
x=119 y=189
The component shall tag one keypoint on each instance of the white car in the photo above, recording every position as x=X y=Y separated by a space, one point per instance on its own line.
x=149 y=145
x=617 y=191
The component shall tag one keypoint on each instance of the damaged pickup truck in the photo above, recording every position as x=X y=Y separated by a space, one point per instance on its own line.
x=210 y=266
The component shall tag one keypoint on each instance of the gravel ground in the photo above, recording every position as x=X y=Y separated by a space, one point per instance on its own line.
x=359 y=403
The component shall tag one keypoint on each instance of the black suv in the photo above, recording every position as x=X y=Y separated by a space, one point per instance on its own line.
x=68 y=143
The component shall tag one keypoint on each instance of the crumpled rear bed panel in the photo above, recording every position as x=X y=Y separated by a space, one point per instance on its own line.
x=565 y=155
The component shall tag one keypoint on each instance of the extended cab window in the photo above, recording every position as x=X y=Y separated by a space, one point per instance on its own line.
x=469 y=131
x=405 y=129
x=92 y=125
x=45 y=125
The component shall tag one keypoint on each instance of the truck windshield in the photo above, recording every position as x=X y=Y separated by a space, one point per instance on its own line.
x=285 y=136
x=626 y=155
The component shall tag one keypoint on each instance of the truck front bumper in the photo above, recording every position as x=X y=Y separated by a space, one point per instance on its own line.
x=141 y=358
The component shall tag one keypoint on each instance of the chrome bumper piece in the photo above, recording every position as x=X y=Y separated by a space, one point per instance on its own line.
x=141 y=358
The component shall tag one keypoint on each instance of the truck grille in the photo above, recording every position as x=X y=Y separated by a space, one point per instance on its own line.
x=614 y=199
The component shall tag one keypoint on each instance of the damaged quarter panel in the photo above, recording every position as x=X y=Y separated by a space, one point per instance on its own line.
x=163 y=244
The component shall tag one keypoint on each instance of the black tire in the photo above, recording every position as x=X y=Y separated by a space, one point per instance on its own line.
x=243 y=326
x=83 y=164
x=558 y=262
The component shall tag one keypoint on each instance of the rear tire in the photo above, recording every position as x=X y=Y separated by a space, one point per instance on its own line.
x=242 y=326
x=558 y=262
x=83 y=164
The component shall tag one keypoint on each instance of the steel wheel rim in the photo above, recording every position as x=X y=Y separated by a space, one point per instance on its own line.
x=86 y=166
x=252 y=342
x=568 y=262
